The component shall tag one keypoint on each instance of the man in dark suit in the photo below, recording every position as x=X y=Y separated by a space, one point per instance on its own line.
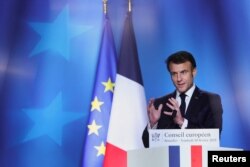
x=188 y=106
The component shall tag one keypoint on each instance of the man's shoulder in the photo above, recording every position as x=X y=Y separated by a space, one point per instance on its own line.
x=202 y=92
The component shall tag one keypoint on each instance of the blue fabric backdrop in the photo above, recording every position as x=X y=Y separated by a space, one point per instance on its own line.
x=48 y=58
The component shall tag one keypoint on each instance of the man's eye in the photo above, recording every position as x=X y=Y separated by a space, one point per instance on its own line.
x=173 y=74
x=184 y=72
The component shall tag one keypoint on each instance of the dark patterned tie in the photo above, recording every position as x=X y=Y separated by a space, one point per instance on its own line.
x=183 y=104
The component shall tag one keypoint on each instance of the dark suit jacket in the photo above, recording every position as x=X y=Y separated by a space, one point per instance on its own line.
x=204 y=111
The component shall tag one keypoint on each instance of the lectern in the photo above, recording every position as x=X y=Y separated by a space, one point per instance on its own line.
x=176 y=148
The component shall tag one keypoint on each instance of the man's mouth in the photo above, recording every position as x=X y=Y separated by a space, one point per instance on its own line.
x=181 y=85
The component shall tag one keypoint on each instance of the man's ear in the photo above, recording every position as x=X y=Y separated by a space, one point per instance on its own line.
x=194 y=72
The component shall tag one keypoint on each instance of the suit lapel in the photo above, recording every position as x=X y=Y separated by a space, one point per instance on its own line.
x=194 y=102
x=173 y=94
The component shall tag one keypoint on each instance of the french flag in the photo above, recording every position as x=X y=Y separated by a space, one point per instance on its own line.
x=128 y=114
x=185 y=156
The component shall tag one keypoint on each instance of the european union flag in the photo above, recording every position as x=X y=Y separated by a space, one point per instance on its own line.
x=95 y=143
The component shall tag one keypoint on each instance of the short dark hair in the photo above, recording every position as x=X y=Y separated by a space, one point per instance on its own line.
x=180 y=57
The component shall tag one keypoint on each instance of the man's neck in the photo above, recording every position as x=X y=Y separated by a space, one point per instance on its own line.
x=189 y=92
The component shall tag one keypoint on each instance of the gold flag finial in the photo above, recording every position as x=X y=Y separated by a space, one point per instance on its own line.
x=129 y=6
x=105 y=6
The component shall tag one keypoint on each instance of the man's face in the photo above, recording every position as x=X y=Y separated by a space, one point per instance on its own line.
x=182 y=75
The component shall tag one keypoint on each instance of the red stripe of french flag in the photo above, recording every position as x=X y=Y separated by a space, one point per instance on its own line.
x=196 y=156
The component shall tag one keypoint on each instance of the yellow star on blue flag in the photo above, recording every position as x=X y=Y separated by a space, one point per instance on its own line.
x=109 y=85
x=93 y=128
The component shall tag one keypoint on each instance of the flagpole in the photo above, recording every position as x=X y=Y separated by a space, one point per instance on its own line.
x=129 y=6
x=105 y=6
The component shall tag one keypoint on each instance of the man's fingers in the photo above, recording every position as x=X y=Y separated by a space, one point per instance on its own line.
x=151 y=101
x=172 y=114
x=150 y=105
x=173 y=102
x=170 y=106
x=160 y=107
x=168 y=113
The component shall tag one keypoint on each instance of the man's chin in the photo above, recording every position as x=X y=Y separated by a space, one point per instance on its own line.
x=181 y=90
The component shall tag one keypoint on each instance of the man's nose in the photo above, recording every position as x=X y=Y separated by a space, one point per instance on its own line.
x=179 y=77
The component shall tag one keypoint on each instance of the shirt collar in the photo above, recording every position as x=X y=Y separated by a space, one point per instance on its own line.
x=189 y=93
